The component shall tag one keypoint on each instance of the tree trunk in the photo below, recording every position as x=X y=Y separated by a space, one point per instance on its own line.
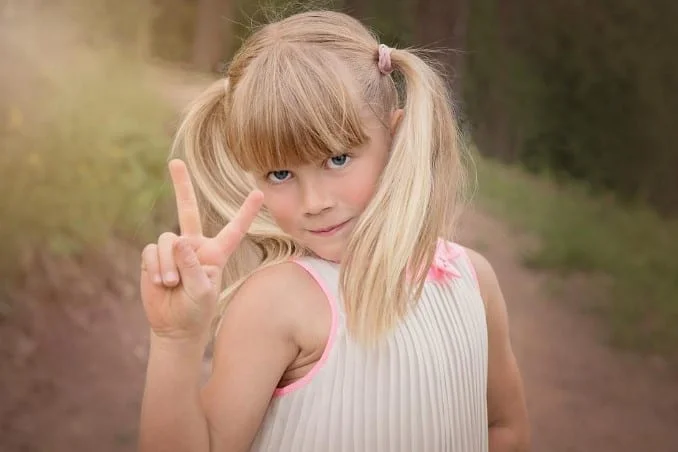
x=212 y=34
x=145 y=21
x=442 y=26
x=356 y=8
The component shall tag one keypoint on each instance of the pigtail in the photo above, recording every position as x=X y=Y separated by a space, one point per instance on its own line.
x=394 y=243
x=222 y=187
x=200 y=142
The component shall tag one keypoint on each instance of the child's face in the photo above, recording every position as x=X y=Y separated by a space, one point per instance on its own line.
x=318 y=204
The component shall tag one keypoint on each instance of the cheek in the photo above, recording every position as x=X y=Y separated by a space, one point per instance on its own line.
x=359 y=195
x=360 y=192
x=369 y=170
x=281 y=207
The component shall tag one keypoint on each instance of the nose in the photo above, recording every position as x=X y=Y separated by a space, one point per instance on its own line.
x=316 y=197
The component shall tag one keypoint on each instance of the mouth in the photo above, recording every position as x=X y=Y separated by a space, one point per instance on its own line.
x=329 y=230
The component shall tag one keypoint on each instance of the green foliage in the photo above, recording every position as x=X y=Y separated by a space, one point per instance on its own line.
x=587 y=90
x=84 y=144
x=391 y=20
x=596 y=235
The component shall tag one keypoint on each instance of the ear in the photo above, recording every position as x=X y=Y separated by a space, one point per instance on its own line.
x=396 y=116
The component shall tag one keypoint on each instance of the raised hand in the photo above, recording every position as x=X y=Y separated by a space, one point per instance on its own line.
x=181 y=275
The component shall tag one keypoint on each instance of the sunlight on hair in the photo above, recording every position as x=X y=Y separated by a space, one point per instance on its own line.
x=289 y=109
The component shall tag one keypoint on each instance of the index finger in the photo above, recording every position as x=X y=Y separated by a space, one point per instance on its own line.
x=231 y=235
x=187 y=204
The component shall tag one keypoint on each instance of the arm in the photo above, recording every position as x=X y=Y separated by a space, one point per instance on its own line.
x=507 y=412
x=252 y=350
x=255 y=345
x=180 y=280
x=172 y=418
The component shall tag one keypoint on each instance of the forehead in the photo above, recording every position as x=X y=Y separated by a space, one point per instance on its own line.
x=295 y=108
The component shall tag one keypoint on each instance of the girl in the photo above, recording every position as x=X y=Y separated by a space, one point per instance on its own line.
x=348 y=322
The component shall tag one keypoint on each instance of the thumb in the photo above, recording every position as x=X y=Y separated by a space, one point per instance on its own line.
x=193 y=276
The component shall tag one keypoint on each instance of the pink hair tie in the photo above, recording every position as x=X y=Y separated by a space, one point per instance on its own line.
x=384 y=63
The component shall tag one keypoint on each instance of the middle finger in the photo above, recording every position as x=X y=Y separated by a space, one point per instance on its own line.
x=231 y=235
x=168 y=267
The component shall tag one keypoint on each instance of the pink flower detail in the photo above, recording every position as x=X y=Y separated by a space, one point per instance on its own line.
x=443 y=261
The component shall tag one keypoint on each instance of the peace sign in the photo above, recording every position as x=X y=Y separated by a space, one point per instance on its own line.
x=181 y=275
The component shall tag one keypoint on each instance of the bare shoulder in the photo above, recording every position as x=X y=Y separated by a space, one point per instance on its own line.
x=478 y=260
x=486 y=275
x=285 y=281
x=278 y=293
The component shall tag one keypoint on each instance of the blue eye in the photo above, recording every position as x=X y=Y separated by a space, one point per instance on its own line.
x=338 y=161
x=278 y=176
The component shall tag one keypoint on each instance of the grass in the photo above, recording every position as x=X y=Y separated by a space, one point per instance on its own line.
x=578 y=232
x=85 y=143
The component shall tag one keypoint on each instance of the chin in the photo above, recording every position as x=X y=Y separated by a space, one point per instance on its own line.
x=329 y=253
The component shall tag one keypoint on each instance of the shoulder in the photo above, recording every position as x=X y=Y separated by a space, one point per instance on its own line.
x=479 y=266
x=486 y=277
x=491 y=293
x=485 y=274
x=283 y=281
x=278 y=295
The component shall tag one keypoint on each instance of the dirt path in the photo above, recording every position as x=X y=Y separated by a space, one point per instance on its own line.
x=582 y=395
x=72 y=379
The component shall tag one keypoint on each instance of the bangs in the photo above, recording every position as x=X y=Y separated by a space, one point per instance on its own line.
x=293 y=106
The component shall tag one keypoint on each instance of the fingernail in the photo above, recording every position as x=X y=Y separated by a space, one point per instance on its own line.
x=157 y=279
x=171 y=277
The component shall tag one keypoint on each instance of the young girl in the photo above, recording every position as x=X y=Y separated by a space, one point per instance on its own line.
x=349 y=322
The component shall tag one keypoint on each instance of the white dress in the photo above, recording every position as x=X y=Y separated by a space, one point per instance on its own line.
x=424 y=389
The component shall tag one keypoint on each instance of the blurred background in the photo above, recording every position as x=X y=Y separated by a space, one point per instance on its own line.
x=571 y=113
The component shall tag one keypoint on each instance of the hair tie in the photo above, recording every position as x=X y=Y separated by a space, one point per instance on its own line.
x=384 y=63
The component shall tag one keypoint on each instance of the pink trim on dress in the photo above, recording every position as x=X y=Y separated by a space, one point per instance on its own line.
x=443 y=265
x=330 y=340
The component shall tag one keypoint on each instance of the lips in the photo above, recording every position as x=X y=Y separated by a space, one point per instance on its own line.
x=329 y=229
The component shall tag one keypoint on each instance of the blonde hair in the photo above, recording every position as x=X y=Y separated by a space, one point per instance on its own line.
x=292 y=95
